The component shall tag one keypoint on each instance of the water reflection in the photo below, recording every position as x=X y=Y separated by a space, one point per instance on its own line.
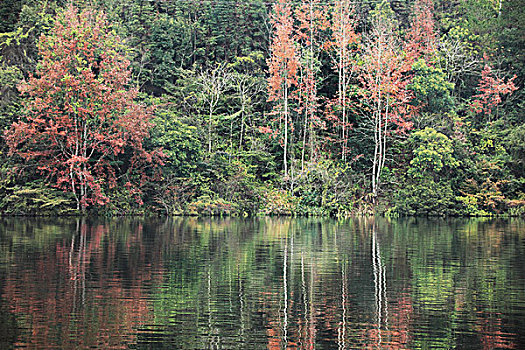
x=379 y=287
x=262 y=283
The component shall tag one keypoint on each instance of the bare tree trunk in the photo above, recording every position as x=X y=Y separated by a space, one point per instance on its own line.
x=305 y=129
x=312 y=80
x=209 y=131
x=378 y=127
x=376 y=151
x=304 y=139
x=285 y=157
x=343 y=88
x=383 y=154
x=242 y=126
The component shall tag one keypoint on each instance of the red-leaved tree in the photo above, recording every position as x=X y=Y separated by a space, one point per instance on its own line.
x=311 y=22
x=81 y=123
x=490 y=89
x=385 y=79
x=422 y=38
x=282 y=65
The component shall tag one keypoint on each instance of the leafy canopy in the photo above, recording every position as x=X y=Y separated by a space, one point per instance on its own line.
x=81 y=123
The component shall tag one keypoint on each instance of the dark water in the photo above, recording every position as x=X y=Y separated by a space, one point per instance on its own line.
x=262 y=283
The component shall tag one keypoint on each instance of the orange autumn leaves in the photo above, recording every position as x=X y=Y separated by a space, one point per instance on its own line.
x=81 y=119
x=372 y=76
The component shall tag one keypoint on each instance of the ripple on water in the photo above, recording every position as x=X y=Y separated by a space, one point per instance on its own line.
x=262 y=283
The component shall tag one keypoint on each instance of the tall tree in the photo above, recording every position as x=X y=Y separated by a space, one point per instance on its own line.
x=213 y=84
x=339 y=46
x=283 y=65
x=490 y=90
x=247 y=89
x=81 y=122
x=311 y=17
x=384 y=76
x=422 y=38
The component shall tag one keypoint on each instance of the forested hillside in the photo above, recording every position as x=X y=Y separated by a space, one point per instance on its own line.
x=303 y=107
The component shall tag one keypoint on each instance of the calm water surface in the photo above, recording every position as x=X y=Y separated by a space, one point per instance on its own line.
x=262 y=283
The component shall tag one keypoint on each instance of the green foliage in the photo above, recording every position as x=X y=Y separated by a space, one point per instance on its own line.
x=328 y=188
x=433 y=153
x=486 y=199
x=9 y=11
x=10 y=77
x=384 y=11
x=431 y=88
x=452 y=164
x=225 y=177
x=428 y=189
x=427 y=198
x=514 y=143
x=489 y=154
x=178 y=141
x=19 y=46
x=30 y=197
x=205 y=205
x=279 y=202
x=449 y=177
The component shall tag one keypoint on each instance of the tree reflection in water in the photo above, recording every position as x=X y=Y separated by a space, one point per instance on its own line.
x=379 y=287
x=57 y=306
x=262 y=283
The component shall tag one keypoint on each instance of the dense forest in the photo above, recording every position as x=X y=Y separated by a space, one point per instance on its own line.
x=244 y=107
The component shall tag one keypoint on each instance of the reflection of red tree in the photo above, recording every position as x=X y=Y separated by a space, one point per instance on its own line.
x=313 y=315
x=275 y=332
x=274 y=339
x=400 y=315
x=489 y=328
x=273 y=329
x=395 y=334
x=61 y=308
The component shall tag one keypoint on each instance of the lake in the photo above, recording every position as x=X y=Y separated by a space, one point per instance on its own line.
x=262 y=283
